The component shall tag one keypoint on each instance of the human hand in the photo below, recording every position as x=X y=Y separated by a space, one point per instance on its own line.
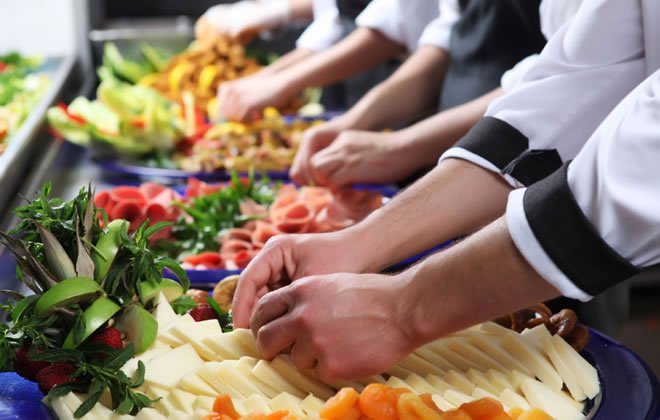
x=242 y=20
x=344 y=326
x=245 y=99
x=362 y=157
x=314 y=140
x=287 y=258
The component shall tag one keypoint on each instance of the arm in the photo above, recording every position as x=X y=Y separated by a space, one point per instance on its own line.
x=360 y=51
x=286 y=61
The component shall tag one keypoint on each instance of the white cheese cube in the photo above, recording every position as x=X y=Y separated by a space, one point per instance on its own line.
x=265 y=372
x=457 y=398
x=311 y=405
x=541 y=396
x=459 y=381
x=514 y=400
x=285 y=367
x=537 y=362
x=166 y=370
x=288 y=402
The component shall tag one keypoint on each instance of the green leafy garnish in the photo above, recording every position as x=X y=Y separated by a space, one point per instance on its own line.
x=225 y=318
x=183 y=304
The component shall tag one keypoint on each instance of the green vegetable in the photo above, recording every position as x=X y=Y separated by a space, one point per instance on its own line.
x=107 y=246
x=130 y=71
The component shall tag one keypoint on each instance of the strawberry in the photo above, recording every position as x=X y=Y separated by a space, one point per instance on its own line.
x=26 y=367
x=56 y=374
x=110 y=336
x=203 y=312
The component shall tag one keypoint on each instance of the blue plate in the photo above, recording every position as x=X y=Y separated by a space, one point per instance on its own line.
x=630 y=390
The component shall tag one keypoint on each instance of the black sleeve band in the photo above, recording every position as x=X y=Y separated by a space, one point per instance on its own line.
x=569 y=238
x=508 y=149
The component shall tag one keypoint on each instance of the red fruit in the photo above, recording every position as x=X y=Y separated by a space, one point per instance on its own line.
x=203 y=312
x=110 y=336
x=26 y=367
x=56 y=374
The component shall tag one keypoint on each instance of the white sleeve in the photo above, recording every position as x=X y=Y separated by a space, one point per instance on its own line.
x=596 y=223
x=582 y=73
x=399 y=20
x=326 y=29
x=438 y=32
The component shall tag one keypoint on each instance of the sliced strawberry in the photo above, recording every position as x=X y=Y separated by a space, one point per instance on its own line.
x=203 y=312
x=56 y=374
x=26 y=367
x=110 y=336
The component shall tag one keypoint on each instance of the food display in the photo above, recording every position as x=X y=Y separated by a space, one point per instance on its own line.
x=200 y=70
x=20 y=91
x=224 y=226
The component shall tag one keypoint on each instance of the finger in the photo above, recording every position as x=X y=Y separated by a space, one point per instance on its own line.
x=342 y=177
x=303 y=355
x=323 y=165
x=245 y=298
x=276 y=337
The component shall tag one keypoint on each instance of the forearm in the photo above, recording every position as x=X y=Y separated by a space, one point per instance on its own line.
x=472 y=282
x=361 y=51
x=301 y=9
x=425 y=141
x=286 y=61
x=410 y=93
x=454 y=199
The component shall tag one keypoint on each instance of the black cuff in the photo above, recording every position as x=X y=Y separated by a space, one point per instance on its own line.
x=508 y=149
x=569 y=238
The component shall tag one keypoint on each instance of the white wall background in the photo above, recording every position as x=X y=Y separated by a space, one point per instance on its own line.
x=45 y=27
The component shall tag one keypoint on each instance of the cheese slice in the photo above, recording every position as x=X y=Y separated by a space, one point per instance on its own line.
x=438 y=383
x=541 y=396
x=225 y=346
x=204 y=403
x=457 y=398
x=164 y=314
x=475 y=355
x=514 y=400
x=454 y=358
x=247 y=341
x=257 y=404
x=238 y=406
x=481 y=381
x=167 y=369
x=288 y=402
x=166 y=337
x=498 y=380
x=196 y=333
x=130 y=367
x=244 y=367
x=149 y=414
x=480 y=393
x=394 y=382
x=73 y=401
x=491 y=347
x=459 y=382
x=442 y=404
x=311 y=405
x=182 y=400
x=285 y=367
x=496 y=329
x=199 y=415
x=418 y=365
x=517 y=378
x=178 y=415
x=194 y=384
x=399 y=371
x=543 y=338
x=585 y=374
x=210 y=373
x=228 y=372
x=536 y=361
x=434 y=358
x=265 y=372
x=162 y=405
x=420 y=385
x=61 y=410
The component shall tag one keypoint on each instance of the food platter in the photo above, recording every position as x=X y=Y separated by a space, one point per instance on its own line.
x=629 y=389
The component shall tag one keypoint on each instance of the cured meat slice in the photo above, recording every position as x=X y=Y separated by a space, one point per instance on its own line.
x=152 y=189
x=262 y=233
x=250 y=207
x=239 y=234
x=294 y=218
x=315 y=197
x=127 y=193
x=233 y=246
x=103 y=200
x=128 y=210
x=192 y=189
x=211 y=260
x=243 y=258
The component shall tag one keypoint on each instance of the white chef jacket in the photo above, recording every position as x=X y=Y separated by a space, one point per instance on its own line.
x=594 y=222
x=399 y=20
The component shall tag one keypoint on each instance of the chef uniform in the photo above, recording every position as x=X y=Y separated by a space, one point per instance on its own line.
x=400 y=21
x=592 y=223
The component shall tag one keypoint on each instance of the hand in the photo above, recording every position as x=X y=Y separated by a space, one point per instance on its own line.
x=314 y=140
x=244 y=99
x=363 y=157
x=345 y=326
x=288 y=258
x=242 y=20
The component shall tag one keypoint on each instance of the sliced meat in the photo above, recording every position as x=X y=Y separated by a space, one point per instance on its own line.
x=250 y=207
x=212 y=260
x=262 y=233
x=152 y=189
x=294 y=218
x=131 y=211
x=238 y=233
x=127 y=193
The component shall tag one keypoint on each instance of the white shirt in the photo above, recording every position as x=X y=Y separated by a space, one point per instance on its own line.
x=326 y=29
x=593 y=96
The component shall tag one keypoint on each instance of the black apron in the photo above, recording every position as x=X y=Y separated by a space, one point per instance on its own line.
x=350 y=9
x=490 y=37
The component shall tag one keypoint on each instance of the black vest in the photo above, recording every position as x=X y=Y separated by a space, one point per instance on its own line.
x=350 y=9
x=489 y=38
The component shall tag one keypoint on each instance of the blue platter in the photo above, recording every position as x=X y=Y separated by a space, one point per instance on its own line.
x=630 y=390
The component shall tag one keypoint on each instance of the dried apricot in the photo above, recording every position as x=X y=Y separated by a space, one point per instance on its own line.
x=534 y=414
x=428 y=400
x=340 y=404
x=514 y=413
x=278 y=415
x=457 y=414
x=483 y=409
x=378 y=401
x=224 y=405
x=411 y=407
